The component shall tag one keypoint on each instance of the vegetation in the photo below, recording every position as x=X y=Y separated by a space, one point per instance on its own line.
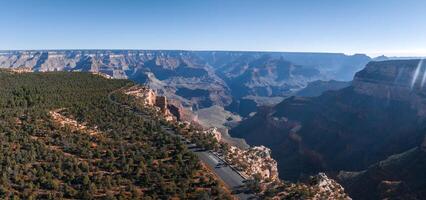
x=192 y=132
x=130 y=156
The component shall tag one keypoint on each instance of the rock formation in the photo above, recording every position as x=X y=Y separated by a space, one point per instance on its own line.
x=20 y=70
x=161 y=102
x=326 y=188
x=149 y=98
x=254 y=161
x=145 y=94
x=400 y=80
x=215 y=133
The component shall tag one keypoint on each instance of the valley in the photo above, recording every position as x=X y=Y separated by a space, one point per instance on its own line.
x=212 y=100
x=258 y=122
x=370 y=133
x=237 y=81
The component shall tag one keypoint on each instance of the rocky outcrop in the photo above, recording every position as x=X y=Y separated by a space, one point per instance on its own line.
x=161 y=102
x=149 y=97
x=145 y=94
x=72 y=124
x=20 y=70
x=215 y=133
x=254 y=161
x=318 y=187
x=327 y=188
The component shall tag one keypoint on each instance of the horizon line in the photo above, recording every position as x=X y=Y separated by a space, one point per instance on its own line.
x=371 y=54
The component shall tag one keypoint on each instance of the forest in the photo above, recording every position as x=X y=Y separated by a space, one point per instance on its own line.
x=110 y=153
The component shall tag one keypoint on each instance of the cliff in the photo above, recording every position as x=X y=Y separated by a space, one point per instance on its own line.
x=400 y=176
x=379 y=115
x=400 y=80
x=149 y=97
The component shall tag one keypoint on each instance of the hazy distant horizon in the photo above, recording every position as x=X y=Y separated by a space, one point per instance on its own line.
x=389 y=27
x=372 y=55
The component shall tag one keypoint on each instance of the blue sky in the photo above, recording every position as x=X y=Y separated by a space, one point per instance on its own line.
x=391 y=27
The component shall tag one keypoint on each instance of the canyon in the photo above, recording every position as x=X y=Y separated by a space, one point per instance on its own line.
x=301 y=113
x=254 y=164
x=237 y=81
x=371 y=132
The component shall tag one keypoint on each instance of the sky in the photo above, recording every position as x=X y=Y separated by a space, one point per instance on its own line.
x=374 y=27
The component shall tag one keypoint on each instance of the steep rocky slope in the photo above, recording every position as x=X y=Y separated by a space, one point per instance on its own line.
x=400 y=176
x=380 y=114
x=199 y=79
